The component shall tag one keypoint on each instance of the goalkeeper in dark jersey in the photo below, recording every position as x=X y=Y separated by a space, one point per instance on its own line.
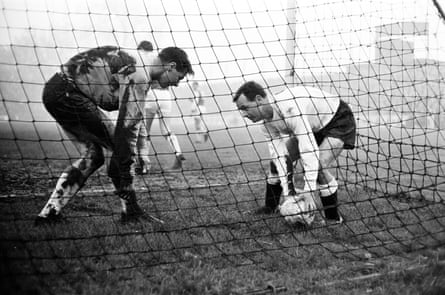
x=90 y=83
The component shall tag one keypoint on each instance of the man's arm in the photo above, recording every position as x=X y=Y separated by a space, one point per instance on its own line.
x=279 y=155
x=309 y=152
x=132 y=93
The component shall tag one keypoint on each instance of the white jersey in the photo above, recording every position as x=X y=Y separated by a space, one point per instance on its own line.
x=299 y=112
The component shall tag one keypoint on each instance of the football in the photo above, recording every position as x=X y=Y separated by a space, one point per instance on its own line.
x=294 y=209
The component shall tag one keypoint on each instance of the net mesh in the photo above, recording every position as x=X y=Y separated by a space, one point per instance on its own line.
x=385 y=58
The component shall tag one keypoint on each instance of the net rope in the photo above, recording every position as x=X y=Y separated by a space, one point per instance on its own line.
x=385 y=58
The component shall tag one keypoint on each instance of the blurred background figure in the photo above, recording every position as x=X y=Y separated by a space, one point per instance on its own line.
x=198 y=109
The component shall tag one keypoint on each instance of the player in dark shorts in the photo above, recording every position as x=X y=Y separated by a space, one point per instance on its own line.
x=300 y=123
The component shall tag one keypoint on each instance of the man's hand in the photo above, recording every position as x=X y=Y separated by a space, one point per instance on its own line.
x=309 y=199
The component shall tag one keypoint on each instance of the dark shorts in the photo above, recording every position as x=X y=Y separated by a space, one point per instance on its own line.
x=76 y=113
x=341 y=126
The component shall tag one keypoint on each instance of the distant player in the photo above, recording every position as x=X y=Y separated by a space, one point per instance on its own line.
x=158 y=103
x=90 y=83
x=197 y=109
x=301 y=123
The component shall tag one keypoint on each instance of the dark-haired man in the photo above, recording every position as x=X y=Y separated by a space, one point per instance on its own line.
x=90 y=83
x=159 y=102
x=301 y=123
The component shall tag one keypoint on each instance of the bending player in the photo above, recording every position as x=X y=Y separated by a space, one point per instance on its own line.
x=158 y=103
x=301 y=123
x=90 y=83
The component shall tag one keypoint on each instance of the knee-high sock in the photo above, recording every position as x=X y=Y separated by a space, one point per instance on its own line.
x=67 y=186
x=328 y=196
x=72 y=179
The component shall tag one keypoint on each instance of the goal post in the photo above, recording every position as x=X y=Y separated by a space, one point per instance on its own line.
x=291 y=14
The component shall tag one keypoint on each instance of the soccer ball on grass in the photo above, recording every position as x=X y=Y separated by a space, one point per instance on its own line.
x=295 y=209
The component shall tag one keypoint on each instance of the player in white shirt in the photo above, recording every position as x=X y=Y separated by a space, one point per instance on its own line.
x=301 y=123
x=158 y=103
x=197 y=109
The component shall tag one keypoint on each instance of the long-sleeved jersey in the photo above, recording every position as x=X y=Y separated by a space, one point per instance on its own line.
x=299 y=112
x=114 y=80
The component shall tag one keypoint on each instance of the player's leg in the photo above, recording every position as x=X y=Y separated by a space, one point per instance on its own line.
x=330 y=149
x=142 y=164
x=171 y=137
x=125 y=191
x=81 y=119
x=138 y=164
x=144 y=141
x=72 y=180
x=202 y=132
x=150 y=116
x=123 y=179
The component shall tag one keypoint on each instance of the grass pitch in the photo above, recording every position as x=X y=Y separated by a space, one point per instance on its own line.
x=211 y=241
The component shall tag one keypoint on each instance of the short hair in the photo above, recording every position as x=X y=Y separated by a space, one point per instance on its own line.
x=178 y=56
x=145 y=45
x=250 y=90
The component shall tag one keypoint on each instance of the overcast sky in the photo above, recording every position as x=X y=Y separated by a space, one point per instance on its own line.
x=224 y=39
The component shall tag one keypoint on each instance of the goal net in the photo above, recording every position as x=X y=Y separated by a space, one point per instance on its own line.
x=385 y=58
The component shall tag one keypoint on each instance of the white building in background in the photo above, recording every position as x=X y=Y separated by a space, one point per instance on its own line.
x=400 y=43
x=332 y=34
